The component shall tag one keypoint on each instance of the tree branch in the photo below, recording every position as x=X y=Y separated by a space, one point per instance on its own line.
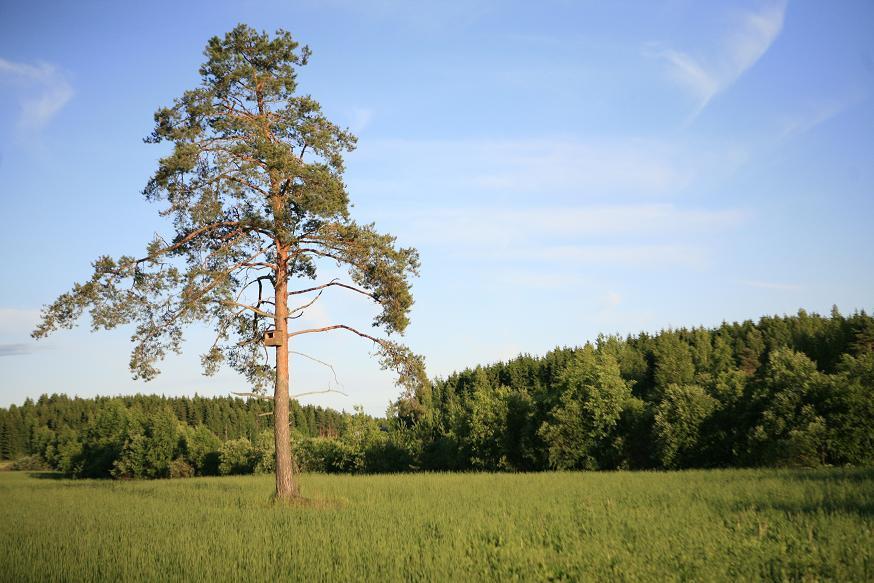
x=190 y=237
x=306 y=394
x=338 y=327
x=292 y=313
x=336 y=380
x=248 y=307
x=331 y=283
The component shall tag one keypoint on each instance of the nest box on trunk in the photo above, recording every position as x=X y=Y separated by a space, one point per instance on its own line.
x=271 y=338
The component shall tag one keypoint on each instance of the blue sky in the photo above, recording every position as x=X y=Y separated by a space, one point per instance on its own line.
x=565 y=169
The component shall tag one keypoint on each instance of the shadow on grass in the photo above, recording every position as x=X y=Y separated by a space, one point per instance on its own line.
x=47 y=475
x=310 y=503
x=855 y=475
x=860 y=508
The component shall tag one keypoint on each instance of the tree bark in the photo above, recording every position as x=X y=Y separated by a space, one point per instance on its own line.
x=286 y=484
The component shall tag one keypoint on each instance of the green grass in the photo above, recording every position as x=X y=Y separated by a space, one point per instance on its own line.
x=697 y=525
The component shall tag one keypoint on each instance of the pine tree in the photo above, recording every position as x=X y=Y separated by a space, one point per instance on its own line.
x=254 y=186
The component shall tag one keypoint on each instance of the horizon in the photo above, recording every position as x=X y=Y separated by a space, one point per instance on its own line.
x=564 y=172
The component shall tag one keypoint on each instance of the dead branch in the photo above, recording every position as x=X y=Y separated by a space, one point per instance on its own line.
x=338 y=327
x=248 y=307
x=317 y=393
x=336 y=380
x=332 y=283
x=292 y=313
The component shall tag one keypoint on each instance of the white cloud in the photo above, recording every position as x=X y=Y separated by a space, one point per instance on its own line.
x=641 y=236
x=706 y=76
x=645 y=255
x=426 y=16
x=42 y=90
x=612 y=299
x=315 y=316
x=16 y=322
x=816 y=114
x=17 y=349
x=552 y=166
x=630 y=165
x=15 y=326
x=502 y=227
x=360 y=119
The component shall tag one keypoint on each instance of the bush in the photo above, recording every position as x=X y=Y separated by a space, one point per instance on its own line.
x=327 y=455
x=237 y=456
x=201 y=448
x=265 y=452
x=150 y=447
x=31 y=463
x=179 y=468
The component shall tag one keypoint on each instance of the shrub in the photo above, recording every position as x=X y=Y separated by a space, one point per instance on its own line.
x=31 y=463
x=150 y=447
x=179 y=468
x=265 y=452
x=237 y=456
x=201 y=447
x=326 y=454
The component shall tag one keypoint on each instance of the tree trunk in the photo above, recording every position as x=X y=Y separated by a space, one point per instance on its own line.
x=286 y=485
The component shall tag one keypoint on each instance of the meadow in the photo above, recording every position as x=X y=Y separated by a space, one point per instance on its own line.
x=792 y=525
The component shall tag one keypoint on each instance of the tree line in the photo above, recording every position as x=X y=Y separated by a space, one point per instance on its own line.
x=55 y=425
x=783 y=391
x=787 y=390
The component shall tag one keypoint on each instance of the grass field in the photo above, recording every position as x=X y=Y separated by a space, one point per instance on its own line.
x=697 y=525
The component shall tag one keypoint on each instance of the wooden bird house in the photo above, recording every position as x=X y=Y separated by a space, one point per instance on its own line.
x=271 y=338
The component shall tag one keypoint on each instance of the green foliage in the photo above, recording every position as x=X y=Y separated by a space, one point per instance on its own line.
x=237 y=456
x=265 y=453
x=487 y=425
x=29 y=463
x=673 y=362
x=103 y=440
x=201 y=448
x=327 y=455
x=678 y=419
x=593 y=397
x=179 y=468
x=150 y=446
x=848 y=407
x=790 y=430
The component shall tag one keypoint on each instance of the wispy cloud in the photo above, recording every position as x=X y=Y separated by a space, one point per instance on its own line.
x=42 y=90
x=644 y=255
x=14 y=321
x=706 y=75
x=554 y=165
x=17 y=349
x=631 y=165
x=15 y=327
x=558 y=239
x=360 y=118
x=772 y=285
x=612 y=299
x=463 y=226
x=816 y=114
x=427 y=15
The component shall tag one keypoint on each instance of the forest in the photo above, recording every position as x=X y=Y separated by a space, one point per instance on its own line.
x=786 y=391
